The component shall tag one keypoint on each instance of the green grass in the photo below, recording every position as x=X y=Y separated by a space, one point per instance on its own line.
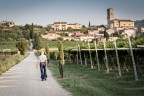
x=82 y=81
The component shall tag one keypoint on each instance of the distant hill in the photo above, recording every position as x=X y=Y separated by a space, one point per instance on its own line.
x=139 y=23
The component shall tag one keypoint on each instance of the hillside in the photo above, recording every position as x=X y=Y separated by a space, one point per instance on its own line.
x=139 y=23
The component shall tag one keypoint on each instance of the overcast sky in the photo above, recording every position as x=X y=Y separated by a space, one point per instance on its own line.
x=44 y=12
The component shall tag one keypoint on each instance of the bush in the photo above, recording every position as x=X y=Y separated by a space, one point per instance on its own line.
x=10 y=61
x=22 y=46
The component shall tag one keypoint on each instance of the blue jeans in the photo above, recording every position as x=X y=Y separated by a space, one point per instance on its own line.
x=43 y=70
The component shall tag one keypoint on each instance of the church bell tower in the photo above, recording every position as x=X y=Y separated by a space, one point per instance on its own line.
x=110 y=17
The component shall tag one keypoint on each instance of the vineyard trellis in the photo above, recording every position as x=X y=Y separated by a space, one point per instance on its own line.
x=122 y=58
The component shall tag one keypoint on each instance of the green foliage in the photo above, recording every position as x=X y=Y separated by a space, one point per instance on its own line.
x=32 y=31
x=109 y=45
x=61 y=54
x=27 y=27
x=69 y=29
x=10 y=35
x=84 y=29
x=56 y=55
x=100 y=45
x=61 y=57
x=10 y=61
x=22 y=46
x=8 y=45
x=47 y=52
x=66 y=44
x=106 y=35
x=37 y=40
x=118 y=35
x=138 y=41
x=122 y=44
x=26 y=34
x=60 y=46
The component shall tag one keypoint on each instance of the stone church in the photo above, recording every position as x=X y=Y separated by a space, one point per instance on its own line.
x=118 y=24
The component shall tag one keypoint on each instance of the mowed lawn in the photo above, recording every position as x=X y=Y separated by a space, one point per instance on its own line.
x=81 y=81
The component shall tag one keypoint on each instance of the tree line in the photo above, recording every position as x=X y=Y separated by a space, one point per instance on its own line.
x=22 y=35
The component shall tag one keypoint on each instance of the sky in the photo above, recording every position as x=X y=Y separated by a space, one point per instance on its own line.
x=44 y=12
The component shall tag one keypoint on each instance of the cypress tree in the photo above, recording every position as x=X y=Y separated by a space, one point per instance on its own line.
x=89 y=24
x=37 y=44
x=61 y=61
x=32 y=32
x=47 y=53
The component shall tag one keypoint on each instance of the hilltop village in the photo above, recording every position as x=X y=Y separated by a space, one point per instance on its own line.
x=77 y=32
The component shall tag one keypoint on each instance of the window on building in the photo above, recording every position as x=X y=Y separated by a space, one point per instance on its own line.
x=63 y=25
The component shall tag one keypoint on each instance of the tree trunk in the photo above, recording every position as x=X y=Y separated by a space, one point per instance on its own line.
x=61 y=69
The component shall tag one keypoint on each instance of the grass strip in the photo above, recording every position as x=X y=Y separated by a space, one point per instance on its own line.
x=81 y=81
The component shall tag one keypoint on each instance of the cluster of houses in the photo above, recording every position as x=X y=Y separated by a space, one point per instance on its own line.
x=76 y=36
x=71 y=36
x=63 y=26
x=120 y=26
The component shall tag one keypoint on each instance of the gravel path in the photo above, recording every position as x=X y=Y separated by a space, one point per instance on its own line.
x=24 y=80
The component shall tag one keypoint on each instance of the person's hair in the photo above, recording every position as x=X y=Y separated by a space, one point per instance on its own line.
x=42 y=53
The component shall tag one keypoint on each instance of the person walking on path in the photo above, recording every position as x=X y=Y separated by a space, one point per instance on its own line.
x=42 y=62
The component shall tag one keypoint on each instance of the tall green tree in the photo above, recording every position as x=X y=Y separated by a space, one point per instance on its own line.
x=32 y=31
x=89 y=24
x=47 y=53
x=106 y=35
x=36 y=41
x=61 y=61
